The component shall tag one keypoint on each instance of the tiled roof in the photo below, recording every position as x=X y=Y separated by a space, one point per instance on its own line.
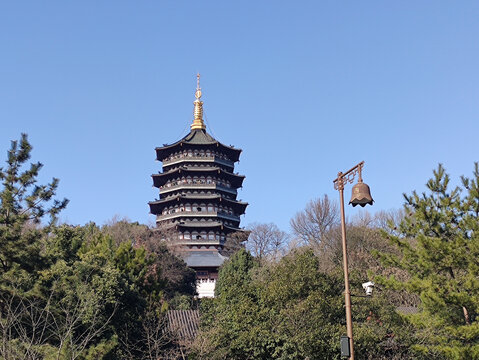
x=207 y=225
x=161 y=178
x=200 y=224
x=406 y=310
x=197 y=197
x=204 y=259
x=198 y=137
x=183 y=323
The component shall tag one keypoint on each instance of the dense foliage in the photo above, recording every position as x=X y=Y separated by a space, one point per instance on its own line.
x=291 y=310
x=90 y=292
x=78 y=292
x=438 y=245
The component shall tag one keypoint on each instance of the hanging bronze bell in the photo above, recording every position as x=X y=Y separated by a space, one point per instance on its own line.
x=361 y=195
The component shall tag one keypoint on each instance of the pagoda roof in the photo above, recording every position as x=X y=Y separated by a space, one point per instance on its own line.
x=161 y=178
x=197 y=138
x=158 y=205
x=204 y=259
x=206 y=225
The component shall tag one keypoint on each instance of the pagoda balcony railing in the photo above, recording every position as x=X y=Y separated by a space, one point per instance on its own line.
x=197 y=158
x=200 y=241
x=220 y=214
x=206 y=186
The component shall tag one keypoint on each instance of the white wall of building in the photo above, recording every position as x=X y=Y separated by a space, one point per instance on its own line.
x=206 y=288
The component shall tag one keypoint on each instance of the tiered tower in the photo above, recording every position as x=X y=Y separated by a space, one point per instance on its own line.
x=198 y=191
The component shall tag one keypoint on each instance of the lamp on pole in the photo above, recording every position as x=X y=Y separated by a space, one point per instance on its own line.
x=361 y=195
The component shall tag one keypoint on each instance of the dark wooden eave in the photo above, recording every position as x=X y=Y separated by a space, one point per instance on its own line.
x=203 y=225
x=197 y=139
x=156 y=207
x=162 y=178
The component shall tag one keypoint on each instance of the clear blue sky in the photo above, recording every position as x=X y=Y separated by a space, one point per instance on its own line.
x=305 y=88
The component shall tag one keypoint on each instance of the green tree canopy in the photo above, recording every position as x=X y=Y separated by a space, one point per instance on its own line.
x=438 y=247
x=291 y=310
x=23 y=204
x=78 y=292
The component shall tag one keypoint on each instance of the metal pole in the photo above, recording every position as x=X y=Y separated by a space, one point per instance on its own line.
x=347 y=293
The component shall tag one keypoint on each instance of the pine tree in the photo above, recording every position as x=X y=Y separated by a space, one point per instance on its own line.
x=23 y=206
x=439 y=249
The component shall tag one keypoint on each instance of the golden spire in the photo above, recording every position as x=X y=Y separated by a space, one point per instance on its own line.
x=198 y=111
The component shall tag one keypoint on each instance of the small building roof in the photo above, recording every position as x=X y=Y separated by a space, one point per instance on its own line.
x=183 y=324
x=407 y=310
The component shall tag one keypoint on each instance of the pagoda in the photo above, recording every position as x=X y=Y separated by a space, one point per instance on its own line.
x=198 y=204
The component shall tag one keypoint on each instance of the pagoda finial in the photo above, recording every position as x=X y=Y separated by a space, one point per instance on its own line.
x=198 y=110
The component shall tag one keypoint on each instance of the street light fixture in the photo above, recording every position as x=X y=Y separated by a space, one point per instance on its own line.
x=361 y=196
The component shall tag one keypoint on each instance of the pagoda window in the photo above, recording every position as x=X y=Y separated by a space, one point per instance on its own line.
x=186 y=235
x=190 y=153
x=187 y=207
x=208 y=153
x=198 y=208
x=211 y=208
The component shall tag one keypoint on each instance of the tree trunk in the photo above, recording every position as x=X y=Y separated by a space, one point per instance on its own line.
x=466 y=315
